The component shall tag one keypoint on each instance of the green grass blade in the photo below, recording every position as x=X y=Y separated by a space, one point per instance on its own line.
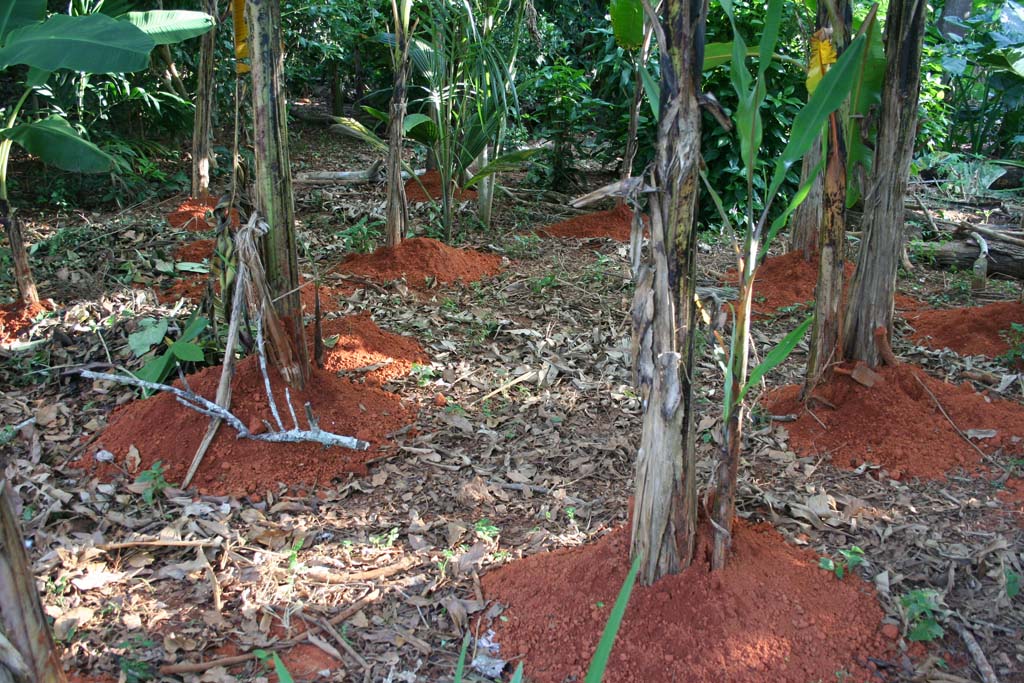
x=604 y=648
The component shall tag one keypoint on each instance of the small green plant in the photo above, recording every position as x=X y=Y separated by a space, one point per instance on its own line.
x=385 y=540
x=280 y=670
x=486 y=529
x=423 y=374
x=1015 y=338
x=293 y=554
x=154 y=476
x=153 y=333
x=539 y=284
x=524 y=246
x=570 y=514
x=846 y=562
x=923 y=611
x=1012 y=583
x=362 y=237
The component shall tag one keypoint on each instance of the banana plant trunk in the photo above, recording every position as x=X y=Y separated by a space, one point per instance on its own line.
x=807 y=218
x=825 y=347
x=664 y=520
x=872 y=292
x=274 y=179
x=397 y=205
x=202 y=129
x=27 y=291
x=632 y=143
x=27 y=650
x=485 y=190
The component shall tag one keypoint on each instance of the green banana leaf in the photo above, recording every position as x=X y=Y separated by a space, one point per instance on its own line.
x=506 y=162
x=776 y=356
x=627 y=23
x=92 y=43
x=166 y=27
x=17 y=13
x=55 y=142
x=598 y=664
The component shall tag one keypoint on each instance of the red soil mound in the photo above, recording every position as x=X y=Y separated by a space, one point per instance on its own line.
x=974 y=330
x=784 y=280
x=420 y=259
x=16 y=318
x=190 y=287
x=194 y=251
x=431 y=181
x=770 y=615
x=357 y=342
x=191 y=215
x=614 y=224
x=161 y=429
x=897 y=425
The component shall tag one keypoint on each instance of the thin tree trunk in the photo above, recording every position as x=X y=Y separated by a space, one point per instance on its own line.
x=874 y=282
x=825 y=347
x=33 y=657
x=806 y=223
x=22 y=271
x=202 y=129
x=629 y=155
x=173 y=77
x=274 y=179
x=337 y=94
x=665 y=503
x=397 y=207
x=485 y=190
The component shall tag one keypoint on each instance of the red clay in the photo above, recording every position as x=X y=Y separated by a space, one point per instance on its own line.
x=770 y=615
x=194 y=251
x=785 y=280
x=191 y=215
x=190 y=287
x=431 y=181
x=359 y=343
x=897 y=425
x=973 y=330
x=613 y=224
x=161 y=429
x=420 y=260
x=16 y=318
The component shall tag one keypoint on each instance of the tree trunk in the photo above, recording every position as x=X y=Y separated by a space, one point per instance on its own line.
x=954 y=9
x=202 y=129
x=32 y=656
x=485 y=191
x=22 y=271
x=825 y=347
x=337 y=94
x=874 y=282
x=665 y=503
x=806 y=222
x=397 y=208
x=273 y=177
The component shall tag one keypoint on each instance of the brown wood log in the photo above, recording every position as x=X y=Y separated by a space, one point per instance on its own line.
x=1004 y=258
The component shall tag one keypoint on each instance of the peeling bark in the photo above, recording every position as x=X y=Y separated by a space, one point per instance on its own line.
x=27 y=291
x=202 y=128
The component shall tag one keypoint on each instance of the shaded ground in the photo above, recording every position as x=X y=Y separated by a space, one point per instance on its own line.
x=531 y=449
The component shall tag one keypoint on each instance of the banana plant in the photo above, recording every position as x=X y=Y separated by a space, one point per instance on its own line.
x=90 y=43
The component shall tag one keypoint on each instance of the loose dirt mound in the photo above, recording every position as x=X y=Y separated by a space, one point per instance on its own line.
x=896 y=423
x=356 y=342
x=161 y=429
x=431 y=181
x=16 y=318
x=770 y=615
x=973 y=330
x=190 y=287
x=194 y=251
x=614 y=224
x=421 y=259
x=191 y=215
x=785 y=280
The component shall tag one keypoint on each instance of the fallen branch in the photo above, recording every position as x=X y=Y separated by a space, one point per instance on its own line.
x=977 y=654
x=158 y=543
x=211 y=409
x=326 y=576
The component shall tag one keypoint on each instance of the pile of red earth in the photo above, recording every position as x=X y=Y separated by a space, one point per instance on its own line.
x=973 y=330
x=191 y=287
x=162 y=429
x=191 y=215
x=422 y=260
x=897 y=424
x=194 y=252
x=354 y=343
x=16 y=318
x=613 y=224
x=431 y=182
x=785 y=280
x=770 y=615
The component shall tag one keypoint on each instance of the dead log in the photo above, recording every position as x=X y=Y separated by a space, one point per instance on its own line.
x=1004 y=258
x=370 y=175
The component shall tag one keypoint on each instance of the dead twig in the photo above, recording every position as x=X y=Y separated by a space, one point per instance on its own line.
x=977 y=654
x=948 y=418
x=326 y=576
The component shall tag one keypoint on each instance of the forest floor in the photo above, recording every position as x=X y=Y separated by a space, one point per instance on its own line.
x=503 y=424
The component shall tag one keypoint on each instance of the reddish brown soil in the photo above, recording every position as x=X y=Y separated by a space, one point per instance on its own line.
x=1013 y=498
x=770 y=615
x=784 y=280
x=614 y=224
x=190 y=287
x=420 y=259
x=431 y=181
x=194 y=251
x=974 y=330
x=16 y=318
x=191 y=215
x=360 y=343
x=897 y=425
x=161 y=429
